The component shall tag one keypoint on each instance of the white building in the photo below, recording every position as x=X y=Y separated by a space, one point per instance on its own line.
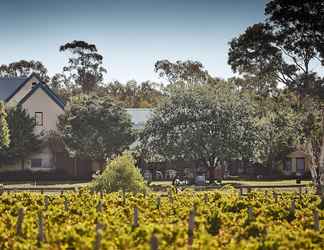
x=41 y=103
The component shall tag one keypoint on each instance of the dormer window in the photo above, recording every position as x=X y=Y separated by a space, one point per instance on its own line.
x=34 y=84
x=39 y=118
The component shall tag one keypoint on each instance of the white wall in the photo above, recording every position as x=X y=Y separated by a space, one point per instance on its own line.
x=39 y=101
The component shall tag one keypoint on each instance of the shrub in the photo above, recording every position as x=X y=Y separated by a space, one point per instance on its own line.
x=120 y=175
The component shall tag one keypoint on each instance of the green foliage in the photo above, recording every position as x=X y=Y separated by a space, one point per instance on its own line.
x=132 y=94
x=283 y=48
x=279 y=129
x=4 y=130
x=85 y=65
x=95 y=128
x=120 y=175
x=208 y=123
x=24 y=68
x=23 y=140
x=189 y=72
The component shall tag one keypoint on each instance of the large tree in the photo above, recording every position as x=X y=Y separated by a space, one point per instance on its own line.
x=95 y=128
x=84 y=65
x=207 y=123
x=4 y=130
x=24 y=68
x=283 y=48
x=23 y=140
x=182 y=71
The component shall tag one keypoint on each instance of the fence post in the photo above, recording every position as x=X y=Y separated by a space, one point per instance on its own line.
x=158 y=202
x=250 y=213
x=241 y=191
x=191 y=226
x=275 y=196
x=154 y=243
x=316 y=220
x=46 y=201
x=97 y=243
x=66 y=204
x=170 y=197
x=293 y=206
x=99 y=206
x=41 y=235
x=124 y=197
x=206 y=198
x=135 y=220
x=20 y=220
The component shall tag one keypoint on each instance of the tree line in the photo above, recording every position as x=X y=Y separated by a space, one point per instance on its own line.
x=271 y=106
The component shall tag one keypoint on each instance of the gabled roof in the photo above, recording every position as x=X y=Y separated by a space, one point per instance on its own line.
x=9 y=85
x=47 y=90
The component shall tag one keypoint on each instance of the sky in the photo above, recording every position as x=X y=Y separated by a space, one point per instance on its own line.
x=131 y=34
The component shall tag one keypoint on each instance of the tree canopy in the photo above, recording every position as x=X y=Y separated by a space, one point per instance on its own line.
x=182 y=71
x=207 y=123
x=283 y=48
x=85 y=65
x=23 y=140
x=24 y=68
x=95 y=128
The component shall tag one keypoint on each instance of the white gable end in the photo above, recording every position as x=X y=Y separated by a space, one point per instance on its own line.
x=47 y=110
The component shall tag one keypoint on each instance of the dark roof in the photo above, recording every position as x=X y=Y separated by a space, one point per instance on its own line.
x=10 y=85
x=48 y=91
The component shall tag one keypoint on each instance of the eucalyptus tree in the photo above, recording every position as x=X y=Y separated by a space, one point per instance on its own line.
x=207 y=123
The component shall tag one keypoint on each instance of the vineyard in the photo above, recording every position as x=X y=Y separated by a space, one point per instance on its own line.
x=187 y=220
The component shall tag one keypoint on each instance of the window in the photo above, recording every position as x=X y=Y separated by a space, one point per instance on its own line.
x=39 y=118
x=287 y=165
x=36 y=163
x=300 y=165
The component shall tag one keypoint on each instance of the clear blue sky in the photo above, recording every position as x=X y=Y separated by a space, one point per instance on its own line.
x=131 y=34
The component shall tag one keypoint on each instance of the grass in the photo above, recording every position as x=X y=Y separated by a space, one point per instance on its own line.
x=68 y=184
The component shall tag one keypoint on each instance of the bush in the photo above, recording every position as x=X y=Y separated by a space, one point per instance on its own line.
x=120 y=175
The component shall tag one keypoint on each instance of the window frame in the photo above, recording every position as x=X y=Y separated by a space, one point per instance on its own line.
x=42 y=119
x=40 y=160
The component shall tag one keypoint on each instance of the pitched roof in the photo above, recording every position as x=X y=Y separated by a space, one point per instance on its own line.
x=9 y=85
x=48 y=91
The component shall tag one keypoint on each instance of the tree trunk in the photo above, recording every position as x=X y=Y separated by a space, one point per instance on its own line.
x=317 y=166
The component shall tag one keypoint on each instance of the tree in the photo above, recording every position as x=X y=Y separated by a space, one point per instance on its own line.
x=182 y=71
x=24 y=68
x=254 y=56
x=120 y=175
x=85 y=65
x=133 y=95
x=284 y=47
x=23 y=140
x=289 y=42
x=4 y=130
x=279 y=130
x=208 y=123
x=95 y=128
